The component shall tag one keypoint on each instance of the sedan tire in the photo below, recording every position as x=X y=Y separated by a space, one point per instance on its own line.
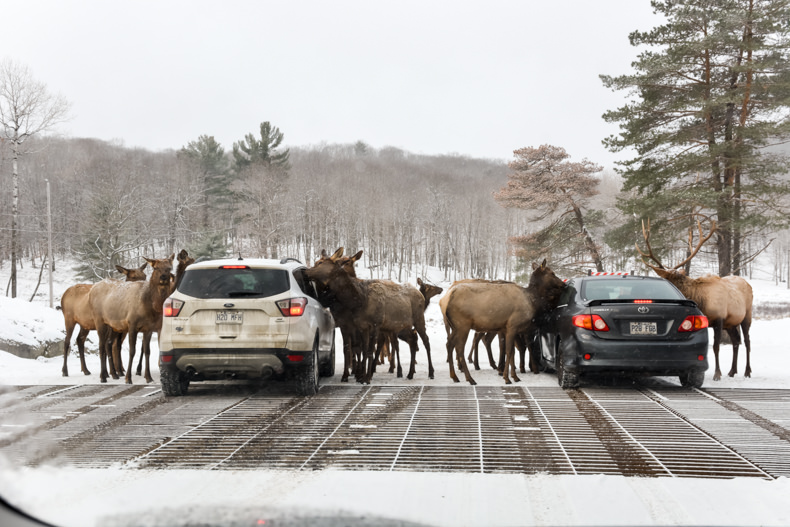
x=174 y=383
x=692 y=379
x=566 y=379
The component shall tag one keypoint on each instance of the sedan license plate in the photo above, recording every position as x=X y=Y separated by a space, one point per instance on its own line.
x=230 y=317
x=644 y=328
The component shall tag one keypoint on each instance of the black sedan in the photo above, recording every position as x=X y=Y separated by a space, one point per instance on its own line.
x=624 y=325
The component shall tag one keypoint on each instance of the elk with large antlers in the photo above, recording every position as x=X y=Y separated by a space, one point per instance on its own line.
x=726 y=301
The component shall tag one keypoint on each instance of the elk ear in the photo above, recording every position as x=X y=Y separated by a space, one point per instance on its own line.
x=142 y=267
x=323 y=254
x=357 y=256
x=121 y=269
x=172 y=257
x=150 y=261
x=543 y=263
x=419 y=282
x=338 y=254
x=183 y=255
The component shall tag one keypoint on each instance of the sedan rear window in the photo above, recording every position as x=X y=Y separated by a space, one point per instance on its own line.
x=621 y=289
x=234 y=283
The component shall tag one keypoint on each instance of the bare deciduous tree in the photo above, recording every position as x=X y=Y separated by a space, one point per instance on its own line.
x=27 y=108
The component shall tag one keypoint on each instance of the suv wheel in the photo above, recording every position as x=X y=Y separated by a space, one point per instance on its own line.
x=565 y=378
x=692 y=379
x=174 y=382
x=307 y=376
x=327 y=368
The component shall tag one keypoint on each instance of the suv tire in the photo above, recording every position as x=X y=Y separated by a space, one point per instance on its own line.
x=692 y=379
x=307 y=376
x=566 y=379
x=327 y=368
x=174 y=383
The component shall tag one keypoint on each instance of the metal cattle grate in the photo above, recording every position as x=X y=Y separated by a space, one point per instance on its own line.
x=659 y=432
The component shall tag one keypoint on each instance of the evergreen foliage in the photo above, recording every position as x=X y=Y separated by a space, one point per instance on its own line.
x=708 y=99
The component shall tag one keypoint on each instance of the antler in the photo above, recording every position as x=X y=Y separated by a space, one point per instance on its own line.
x=646 y=236
x=702 y=240
x=693 y=252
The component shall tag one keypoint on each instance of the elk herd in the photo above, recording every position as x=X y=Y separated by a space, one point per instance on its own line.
x=373 y=315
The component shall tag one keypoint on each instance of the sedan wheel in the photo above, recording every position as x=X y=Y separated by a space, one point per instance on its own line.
x=565 y=378
x=692 y=379
x=307 y=376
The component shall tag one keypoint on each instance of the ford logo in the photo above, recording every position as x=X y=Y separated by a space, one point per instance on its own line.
x=229 y=305
x=643 y=309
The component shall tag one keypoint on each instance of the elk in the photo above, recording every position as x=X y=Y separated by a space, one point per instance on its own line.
x=499 y=307
x=184 y=261
x=726 y=301
x=76 y=310
x=343 y=316
x=373 y=306
x=409 y=336
x=131 y=307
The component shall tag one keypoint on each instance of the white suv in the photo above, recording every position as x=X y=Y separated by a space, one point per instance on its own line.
x=245 y=319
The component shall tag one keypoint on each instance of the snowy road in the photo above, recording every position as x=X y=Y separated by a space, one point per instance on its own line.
x=644 y=430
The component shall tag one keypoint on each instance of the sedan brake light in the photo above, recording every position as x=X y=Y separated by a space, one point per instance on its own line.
x=172 y=307
x=591 y=322
x=694 y=323
x=292 y=307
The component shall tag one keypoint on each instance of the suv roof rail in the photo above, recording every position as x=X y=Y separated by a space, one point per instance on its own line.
x=289 y=259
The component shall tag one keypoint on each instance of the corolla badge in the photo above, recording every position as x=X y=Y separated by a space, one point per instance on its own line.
x=643 y=309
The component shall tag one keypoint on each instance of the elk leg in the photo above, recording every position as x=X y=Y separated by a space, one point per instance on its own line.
x=487 y=340
x=113 y=356
x=735 y=338
x=132 y=344
x=502 y=354
x=521 y=346
x=459 y=339
x=510 y=361
x=119 y=366
x=66 y=344
x=139 y=363
x=103 y=335
x=147 y=352
x=81 y=336
x=346 y=335
x=473 y=355
x=427 y=344
x=745 y=327
x=717 y=326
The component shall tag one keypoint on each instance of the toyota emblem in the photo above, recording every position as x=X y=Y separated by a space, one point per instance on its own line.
x=643 y=309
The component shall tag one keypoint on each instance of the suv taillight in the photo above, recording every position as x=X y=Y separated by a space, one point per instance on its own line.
x=292 y=307
x=172 y=307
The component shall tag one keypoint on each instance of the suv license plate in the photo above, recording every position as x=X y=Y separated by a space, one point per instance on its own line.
x=230 y=317
x=644 y=328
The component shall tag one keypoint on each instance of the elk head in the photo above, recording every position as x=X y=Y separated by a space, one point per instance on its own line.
x=673 y=274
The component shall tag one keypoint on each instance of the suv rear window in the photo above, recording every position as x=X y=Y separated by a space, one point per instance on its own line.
x=234 y=283
x=624 y=289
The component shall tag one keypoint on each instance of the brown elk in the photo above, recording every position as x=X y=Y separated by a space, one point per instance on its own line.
x=499 y=307
x=389 y=341
x=184 y=261
x=343 y=315
x=373 y=305
x=726 y=301
x=131 y=307
x=76 y=310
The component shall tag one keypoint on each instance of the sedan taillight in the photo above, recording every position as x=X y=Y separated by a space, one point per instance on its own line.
x=591 y=322
x=292 y=307
x=694 y=323
x=172 y=307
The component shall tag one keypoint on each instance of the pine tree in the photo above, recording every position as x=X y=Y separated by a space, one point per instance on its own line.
x=251 y=151
x=545 y=182
x=214 y=173
x=708 y=98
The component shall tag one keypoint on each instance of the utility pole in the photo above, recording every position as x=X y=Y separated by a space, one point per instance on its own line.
x=49 y=249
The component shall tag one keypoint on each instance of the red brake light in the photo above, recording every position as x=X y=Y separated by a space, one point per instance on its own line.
x=643 y=301
x=172 y=307
x=693 y=323
x=591 y=322
x=235 y=267
x=292 y=307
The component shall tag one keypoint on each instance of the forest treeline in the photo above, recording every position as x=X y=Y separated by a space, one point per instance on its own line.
x=111 y=204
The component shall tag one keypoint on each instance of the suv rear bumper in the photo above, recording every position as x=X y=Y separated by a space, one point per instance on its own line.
x=245 y=363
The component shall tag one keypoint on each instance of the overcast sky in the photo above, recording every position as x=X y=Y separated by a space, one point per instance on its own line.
x=477 y=78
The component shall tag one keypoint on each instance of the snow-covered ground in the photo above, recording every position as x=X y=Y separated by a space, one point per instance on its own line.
x=67 y=496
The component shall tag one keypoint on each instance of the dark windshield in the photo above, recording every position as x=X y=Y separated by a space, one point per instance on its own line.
x=626 y=289
x=234 y=283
